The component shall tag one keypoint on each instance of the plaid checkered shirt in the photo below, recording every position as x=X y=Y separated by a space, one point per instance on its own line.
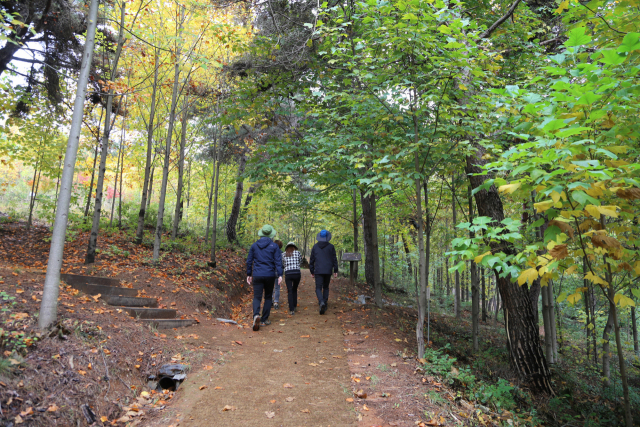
x=292 y=262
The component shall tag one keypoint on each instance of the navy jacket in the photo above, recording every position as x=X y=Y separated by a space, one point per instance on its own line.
x=265 y=259
x=323 y=259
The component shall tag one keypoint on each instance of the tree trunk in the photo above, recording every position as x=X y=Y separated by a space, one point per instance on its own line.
x=148 y=175
x=210 y=197
x=456 y=304
x=353 y=266
x=634 y=329
x=214 y=225
x=370 y=234
x=427 y=258
x=153 y=171
x=93 y=169
x=34 y=189
x=115 y=185
x=475 y=294
x=484 y=295
x=523 y=338
x=49 y=304
x=90 y=257
x=177 y=215
x=247 y=202
x=167 y=153
x=237 y=200
x=422 y=288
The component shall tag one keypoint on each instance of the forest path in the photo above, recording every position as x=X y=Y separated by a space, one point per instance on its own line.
x=293 y=372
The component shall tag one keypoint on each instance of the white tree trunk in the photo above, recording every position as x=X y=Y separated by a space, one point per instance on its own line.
x=49 y=304
x=183 y=141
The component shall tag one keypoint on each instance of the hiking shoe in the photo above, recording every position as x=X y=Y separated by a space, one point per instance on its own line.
x=323 y=308
x=276 y=306
x=256 y=323
x=265 y=323
x=292 y=312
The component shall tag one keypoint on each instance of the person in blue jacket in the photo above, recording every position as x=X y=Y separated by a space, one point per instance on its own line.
x=264 y=265
x=322 y=262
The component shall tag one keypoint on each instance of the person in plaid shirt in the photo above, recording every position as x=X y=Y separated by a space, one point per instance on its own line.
x=276 y=287
x=291 y=261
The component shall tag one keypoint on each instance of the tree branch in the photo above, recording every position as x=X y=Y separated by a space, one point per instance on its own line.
x=499 y=22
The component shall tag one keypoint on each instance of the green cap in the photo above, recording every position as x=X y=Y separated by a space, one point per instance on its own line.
x=267 y=231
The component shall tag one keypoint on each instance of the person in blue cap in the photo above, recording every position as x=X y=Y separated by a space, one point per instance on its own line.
x=264 y=264
x=322 y=263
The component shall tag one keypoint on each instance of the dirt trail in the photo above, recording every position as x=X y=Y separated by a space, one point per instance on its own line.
x=300 y=357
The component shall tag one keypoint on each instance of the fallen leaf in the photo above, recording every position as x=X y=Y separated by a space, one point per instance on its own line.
x=313 y=364
x=306 y=411
x=52 y=408
x=239 y=342
x=104 y=419
x=217 y=388
x=393 y=365
x=27 y=412
x=228 y=408
x=349 y=399
x=361 y=394
x=290 y=399
x=287 y=385
x=270 y=414
x=304 y=336
x=202 y=387
x=18 y=419
x=207 y=368
x=273 y=401
x=81 y=372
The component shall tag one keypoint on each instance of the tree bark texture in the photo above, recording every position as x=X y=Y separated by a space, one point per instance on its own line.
x=353 y=266
x=146 y=193
x=232 y=236
x=177 y=215
x=370 y=234
x=422 y=283
x=523 y=338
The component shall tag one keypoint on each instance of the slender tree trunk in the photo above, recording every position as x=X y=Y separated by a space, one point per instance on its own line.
x=634 y=330
x=115 y=185
x=49 y=304
x=422 y=288
x=167 y=150
x=247 y=201
x=32 y=195
x=153 y=170
x=427 y=257
x=456 y=304
x=210 y=197
x=523 y=338
x=148 y=177
x=120 y=192
x=353 y=266
x=546 y=321
x=90 y=257
x=484 y=295
x=93 y=169
x=214 y=225
x=372 y=256
x=475 y=294
x=177 y=215
x=237 y=200
x=58 y=178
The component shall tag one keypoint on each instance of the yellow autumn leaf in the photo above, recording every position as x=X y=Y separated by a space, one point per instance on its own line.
x=528 y=276
x=571 y=269
x=595 y=279
x=623 y=301
x=543 y=206
x=574 y=298
x=596 y=211
x=478 y=259
x=563 y=6
x=463 y=87
x=509 y=188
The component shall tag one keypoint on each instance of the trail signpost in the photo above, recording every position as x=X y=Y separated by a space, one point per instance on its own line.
x=352 y=257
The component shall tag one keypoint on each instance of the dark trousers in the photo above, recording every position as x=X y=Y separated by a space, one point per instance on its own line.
x=262 y=284
x=292 y=279
x=322 y=287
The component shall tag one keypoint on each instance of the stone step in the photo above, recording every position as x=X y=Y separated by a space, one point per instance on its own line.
x=130 y=301
x=72 y=279
x=105 y=290
x=151 y=313
x=168 y=323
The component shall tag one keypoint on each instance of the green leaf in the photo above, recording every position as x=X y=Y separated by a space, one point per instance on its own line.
x=630 y=43
x=577 y=37
x=612 y=57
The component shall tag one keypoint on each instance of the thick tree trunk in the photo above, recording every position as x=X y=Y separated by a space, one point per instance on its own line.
x=148 y=175
x=49 y=304
x=370 y=234
x=90 y=257
x=177 y=215
x=237 y=200
x=523 y=338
